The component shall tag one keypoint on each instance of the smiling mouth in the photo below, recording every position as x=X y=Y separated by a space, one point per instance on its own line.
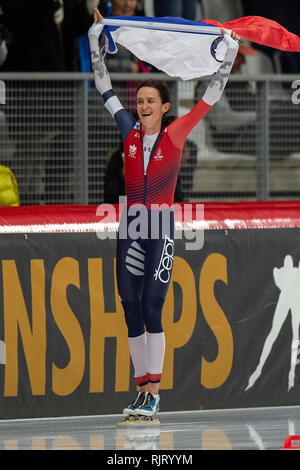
x=146 y=114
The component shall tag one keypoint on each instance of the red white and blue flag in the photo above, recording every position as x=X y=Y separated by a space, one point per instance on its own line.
x=190 y=49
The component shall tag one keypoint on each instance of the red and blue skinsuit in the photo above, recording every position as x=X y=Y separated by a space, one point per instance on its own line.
x=157 y=186
x=144 y=263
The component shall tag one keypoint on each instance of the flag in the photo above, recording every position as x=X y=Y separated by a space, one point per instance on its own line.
x=263 y=31
x=168 y=47
x=190 y=49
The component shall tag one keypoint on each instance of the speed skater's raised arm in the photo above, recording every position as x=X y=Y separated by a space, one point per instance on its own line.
x=179 y=129
x=103 y=84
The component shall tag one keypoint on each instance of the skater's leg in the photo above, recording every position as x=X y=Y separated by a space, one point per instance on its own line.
x=130 y=279
x=158 y=270
x=152 y=309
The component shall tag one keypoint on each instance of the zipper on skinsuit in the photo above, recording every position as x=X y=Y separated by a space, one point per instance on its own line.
x=151 y=154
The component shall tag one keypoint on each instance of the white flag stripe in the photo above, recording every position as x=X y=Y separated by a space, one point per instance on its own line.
x=178 y=54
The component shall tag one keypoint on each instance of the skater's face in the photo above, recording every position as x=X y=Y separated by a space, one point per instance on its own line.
x=150 y=109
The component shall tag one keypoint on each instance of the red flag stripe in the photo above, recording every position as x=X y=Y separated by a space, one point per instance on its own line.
x=262 y=31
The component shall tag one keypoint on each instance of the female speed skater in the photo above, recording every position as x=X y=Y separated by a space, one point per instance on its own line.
x=152 y=152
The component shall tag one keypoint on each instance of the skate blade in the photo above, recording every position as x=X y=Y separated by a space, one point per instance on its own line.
x=139 y=421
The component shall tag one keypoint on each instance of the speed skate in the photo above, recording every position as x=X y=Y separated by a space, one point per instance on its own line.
x=142 y=411
x=139 y=420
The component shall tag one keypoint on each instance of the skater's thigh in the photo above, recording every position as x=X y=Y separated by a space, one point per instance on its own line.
x=130 y=268
x=158 y=267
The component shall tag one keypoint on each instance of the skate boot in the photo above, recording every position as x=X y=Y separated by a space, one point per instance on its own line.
x=142 y=411
x=130 y=409
x=150 y=405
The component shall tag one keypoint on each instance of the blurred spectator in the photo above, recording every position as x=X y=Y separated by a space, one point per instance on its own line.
x=44 y=39
x=7 y=148
x=114 y=181
x=187 y=167
x=3 y=45
x=124 y=60
x=184 y=8
x=286 y=13
x=105 y=7
x=122 y=8
x=9 y=193
x=221 y=10
x=5 y=38
x=231 y=127
x=45 y=33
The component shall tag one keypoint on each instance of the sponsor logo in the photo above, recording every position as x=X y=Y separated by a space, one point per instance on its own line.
x=164 y=270
x=135 y=259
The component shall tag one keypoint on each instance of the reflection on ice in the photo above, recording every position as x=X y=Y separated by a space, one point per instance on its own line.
x=252 y=428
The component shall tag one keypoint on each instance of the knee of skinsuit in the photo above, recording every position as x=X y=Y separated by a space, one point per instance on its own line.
x=152 y=308
x=133 y=311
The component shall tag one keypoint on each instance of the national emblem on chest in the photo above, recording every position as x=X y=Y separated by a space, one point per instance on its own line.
x=132 y=151
x=158 y=155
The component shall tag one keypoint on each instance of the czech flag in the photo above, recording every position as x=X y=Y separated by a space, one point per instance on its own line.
x=190 y=49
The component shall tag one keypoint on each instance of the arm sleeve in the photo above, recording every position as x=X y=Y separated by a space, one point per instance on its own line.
x=124 y=119
x=181 y=127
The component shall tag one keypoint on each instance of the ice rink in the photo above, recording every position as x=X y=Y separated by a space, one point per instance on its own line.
x=234 y=429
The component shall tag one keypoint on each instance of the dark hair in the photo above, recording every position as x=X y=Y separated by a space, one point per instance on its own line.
x=164 y=94
x=162 y=89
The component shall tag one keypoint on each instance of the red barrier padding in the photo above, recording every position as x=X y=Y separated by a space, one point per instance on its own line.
x=235 y=215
